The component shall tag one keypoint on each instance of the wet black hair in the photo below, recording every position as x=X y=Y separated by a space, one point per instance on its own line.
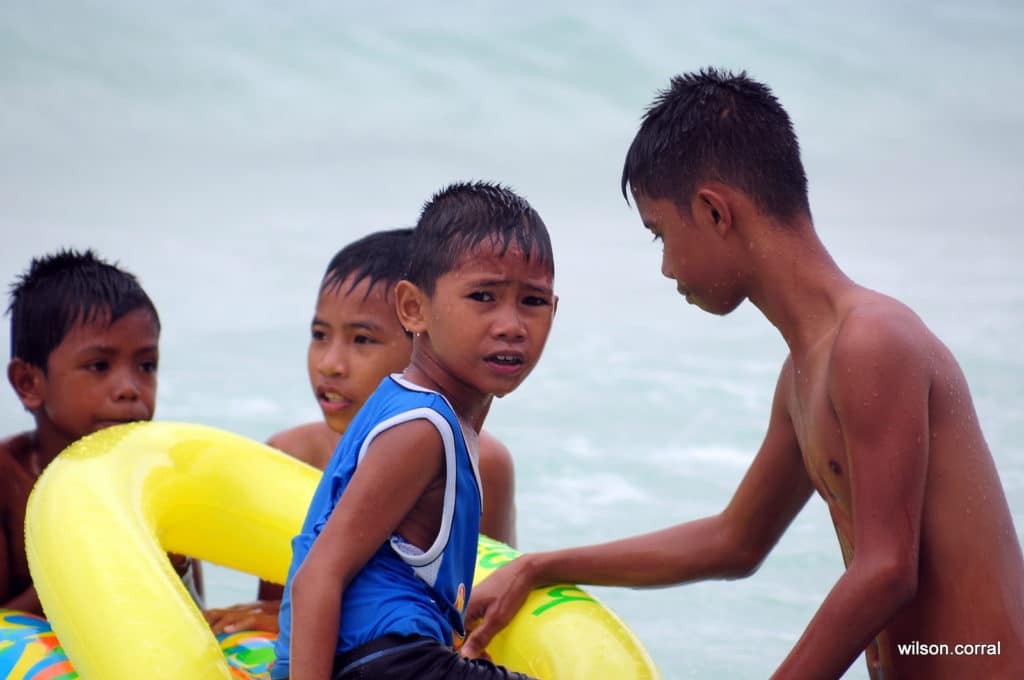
x=382 y=257
x=62 y=289
x=462 y=216
x=716 y=125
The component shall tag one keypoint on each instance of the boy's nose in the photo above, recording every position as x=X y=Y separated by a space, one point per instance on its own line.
x=127 y=389
x=333 y=362
x=510 y=324
x=666 y=269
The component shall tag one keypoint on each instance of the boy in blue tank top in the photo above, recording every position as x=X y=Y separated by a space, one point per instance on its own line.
x=355 y=342
x=382 y=569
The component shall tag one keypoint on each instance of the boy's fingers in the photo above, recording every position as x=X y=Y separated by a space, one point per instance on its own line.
x=480 y=637
x=229 y=622
x=240 y=624
x=213 y=615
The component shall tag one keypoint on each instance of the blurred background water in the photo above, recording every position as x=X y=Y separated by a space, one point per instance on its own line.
x=224 y=152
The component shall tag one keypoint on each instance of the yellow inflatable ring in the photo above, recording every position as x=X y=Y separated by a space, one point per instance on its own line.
x=105 y=512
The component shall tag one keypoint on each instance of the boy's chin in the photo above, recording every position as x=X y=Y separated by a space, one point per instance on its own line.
x=337 y=423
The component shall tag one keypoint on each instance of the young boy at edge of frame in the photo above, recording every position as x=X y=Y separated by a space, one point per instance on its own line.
x=84 y=353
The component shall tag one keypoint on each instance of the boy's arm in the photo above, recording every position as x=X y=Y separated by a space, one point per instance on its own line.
x=397 y=468
x=879 y=384
x=729 y=545
x=498 y=476
x=11 y=526
x=270 y=591
x=25 y=601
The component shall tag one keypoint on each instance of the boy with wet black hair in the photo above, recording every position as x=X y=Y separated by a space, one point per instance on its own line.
x=871 y=411
x=356 y=342
x=383 y=567
x=84 y=352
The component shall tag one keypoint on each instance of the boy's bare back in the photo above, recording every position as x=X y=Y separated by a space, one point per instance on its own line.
x=911 y=444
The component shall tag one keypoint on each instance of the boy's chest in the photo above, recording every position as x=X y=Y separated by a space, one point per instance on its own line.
x=819 y=434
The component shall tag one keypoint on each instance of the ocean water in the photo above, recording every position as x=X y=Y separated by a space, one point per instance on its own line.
x=223 y=153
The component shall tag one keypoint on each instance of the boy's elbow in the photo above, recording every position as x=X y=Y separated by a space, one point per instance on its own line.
x=315 y=580
x=745 y=563
x=743 y=556
x=899 y=581
x=893 y=581
x=303 y=582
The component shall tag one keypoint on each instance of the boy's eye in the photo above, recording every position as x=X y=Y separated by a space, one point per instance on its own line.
x=481 y=296
x=364 y=340
x=98 y=366
x=318 y=335
x=148 y=366
x=535 y=301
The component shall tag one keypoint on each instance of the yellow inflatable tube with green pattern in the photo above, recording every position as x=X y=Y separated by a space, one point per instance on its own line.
x=105 y=513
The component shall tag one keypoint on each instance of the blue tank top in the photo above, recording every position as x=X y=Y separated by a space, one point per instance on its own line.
x=401 y=589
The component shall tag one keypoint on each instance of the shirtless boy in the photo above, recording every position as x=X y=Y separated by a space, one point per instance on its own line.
x=356 y=342
x=871 y=411
x=84 y=354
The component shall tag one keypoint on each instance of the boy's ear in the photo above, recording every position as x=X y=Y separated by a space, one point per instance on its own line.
x=28 y=382
x=410 y=304
x=712 y=209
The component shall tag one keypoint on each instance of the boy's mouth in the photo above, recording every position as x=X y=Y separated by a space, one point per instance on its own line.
x=506 y=362
x=333 y=401
x=110 y=422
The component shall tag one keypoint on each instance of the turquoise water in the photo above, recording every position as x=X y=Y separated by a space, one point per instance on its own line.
x=223 y=154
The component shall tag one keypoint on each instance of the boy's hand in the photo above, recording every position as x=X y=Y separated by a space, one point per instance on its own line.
x=261 y=615
x=493 y=603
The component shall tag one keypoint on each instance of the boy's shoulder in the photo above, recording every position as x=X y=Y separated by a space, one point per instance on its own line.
x=311 y=443
x=874 y=323
x=16 y=474
x=16 y=450
x=494 y=451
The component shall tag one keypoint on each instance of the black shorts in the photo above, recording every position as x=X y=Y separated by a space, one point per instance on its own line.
x=414 y=657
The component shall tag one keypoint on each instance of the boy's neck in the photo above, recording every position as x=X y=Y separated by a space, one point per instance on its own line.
x=796 y=284
x=470 y=405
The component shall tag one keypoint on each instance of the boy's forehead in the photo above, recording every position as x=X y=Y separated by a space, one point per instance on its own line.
x=492 y=255
x=655 y=211
x=96 y=328
x=363 y=299
x=354 y=287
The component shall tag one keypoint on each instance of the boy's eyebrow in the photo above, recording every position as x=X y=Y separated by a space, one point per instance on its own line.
x=491 y=283
x=365 y=324
x=109 y=350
